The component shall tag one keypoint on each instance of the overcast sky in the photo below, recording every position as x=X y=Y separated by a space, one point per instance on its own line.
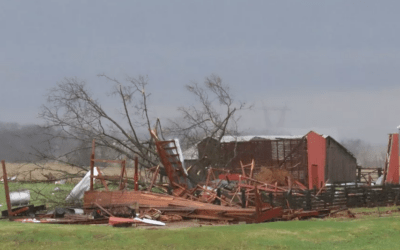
x=334 y=64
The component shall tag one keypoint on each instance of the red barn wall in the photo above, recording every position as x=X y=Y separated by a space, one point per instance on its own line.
x=316 y=149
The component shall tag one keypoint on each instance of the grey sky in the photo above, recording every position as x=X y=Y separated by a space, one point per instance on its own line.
x=335 y=64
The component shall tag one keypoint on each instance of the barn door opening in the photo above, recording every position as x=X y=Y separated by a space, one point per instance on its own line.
x=314 y=175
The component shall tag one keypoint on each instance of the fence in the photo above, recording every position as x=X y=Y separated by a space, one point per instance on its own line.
x=337 y=195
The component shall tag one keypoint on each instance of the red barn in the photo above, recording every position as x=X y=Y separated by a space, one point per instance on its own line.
x=312 y=159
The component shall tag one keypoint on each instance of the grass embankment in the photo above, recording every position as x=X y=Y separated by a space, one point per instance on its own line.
x=365 y=233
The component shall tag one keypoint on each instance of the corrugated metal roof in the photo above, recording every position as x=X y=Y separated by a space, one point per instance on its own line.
x=229 y=138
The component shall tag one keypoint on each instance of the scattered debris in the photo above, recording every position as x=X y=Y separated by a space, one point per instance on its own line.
x=78 y=191
x=246 y=196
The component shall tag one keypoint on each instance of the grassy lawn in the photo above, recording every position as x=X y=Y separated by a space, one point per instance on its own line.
x=41 y=193
x=366 y=233
x=45 y=193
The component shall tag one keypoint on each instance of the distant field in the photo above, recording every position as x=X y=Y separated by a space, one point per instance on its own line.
x=30 y=171
x=367 y=233
x=45 y=193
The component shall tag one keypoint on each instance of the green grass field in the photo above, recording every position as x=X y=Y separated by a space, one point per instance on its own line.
x=41 y=193
x=365 y=233
x=371 y=230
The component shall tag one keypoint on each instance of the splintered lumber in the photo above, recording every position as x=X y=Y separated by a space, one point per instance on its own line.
x=102 y=179
x=198 y=209
x=104 y=210
x=154 y=178
x=206 y=217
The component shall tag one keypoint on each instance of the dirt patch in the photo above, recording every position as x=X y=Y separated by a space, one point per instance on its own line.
x=374 y=212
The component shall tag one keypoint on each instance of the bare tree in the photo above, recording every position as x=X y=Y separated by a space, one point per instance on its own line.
x=213 y=116
x=72 y=108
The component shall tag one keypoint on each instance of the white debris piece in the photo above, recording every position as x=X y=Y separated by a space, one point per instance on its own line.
x=31 y=220
x=152 y=222
x=78 y=211
x=149 y=221
x=178 y=147
x=80 y=188
x=379 y=181
x=61 y=182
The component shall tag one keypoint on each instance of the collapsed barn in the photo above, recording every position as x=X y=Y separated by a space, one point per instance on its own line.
x=248 y=200
x=312 y=159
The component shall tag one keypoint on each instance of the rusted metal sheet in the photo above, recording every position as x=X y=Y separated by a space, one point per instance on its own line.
x=316 y=149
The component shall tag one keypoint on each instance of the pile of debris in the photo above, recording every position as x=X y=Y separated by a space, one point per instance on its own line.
x=230 y=198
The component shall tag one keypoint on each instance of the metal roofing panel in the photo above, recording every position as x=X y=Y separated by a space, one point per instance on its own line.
x=229 y=138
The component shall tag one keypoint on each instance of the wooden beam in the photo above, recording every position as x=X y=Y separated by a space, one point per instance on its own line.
x=7 y=191
x=154 y=178
x=122 y=175
x=102 y=179
x=252 y=167
x=103 y=209
x=21 y=210
x=241 y=165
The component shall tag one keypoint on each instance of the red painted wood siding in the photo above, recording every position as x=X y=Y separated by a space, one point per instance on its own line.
x=316 y=149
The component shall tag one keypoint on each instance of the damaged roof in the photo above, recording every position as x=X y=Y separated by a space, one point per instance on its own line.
x=229 y=138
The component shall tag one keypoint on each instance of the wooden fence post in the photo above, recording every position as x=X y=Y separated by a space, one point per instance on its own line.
x=364 y=196
x=346 y=196
x=271 y=199
x=332 y=198
x=243 y=191
x=308 y=200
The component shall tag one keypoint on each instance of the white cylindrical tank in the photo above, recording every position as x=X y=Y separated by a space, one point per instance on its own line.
x=20 y=197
